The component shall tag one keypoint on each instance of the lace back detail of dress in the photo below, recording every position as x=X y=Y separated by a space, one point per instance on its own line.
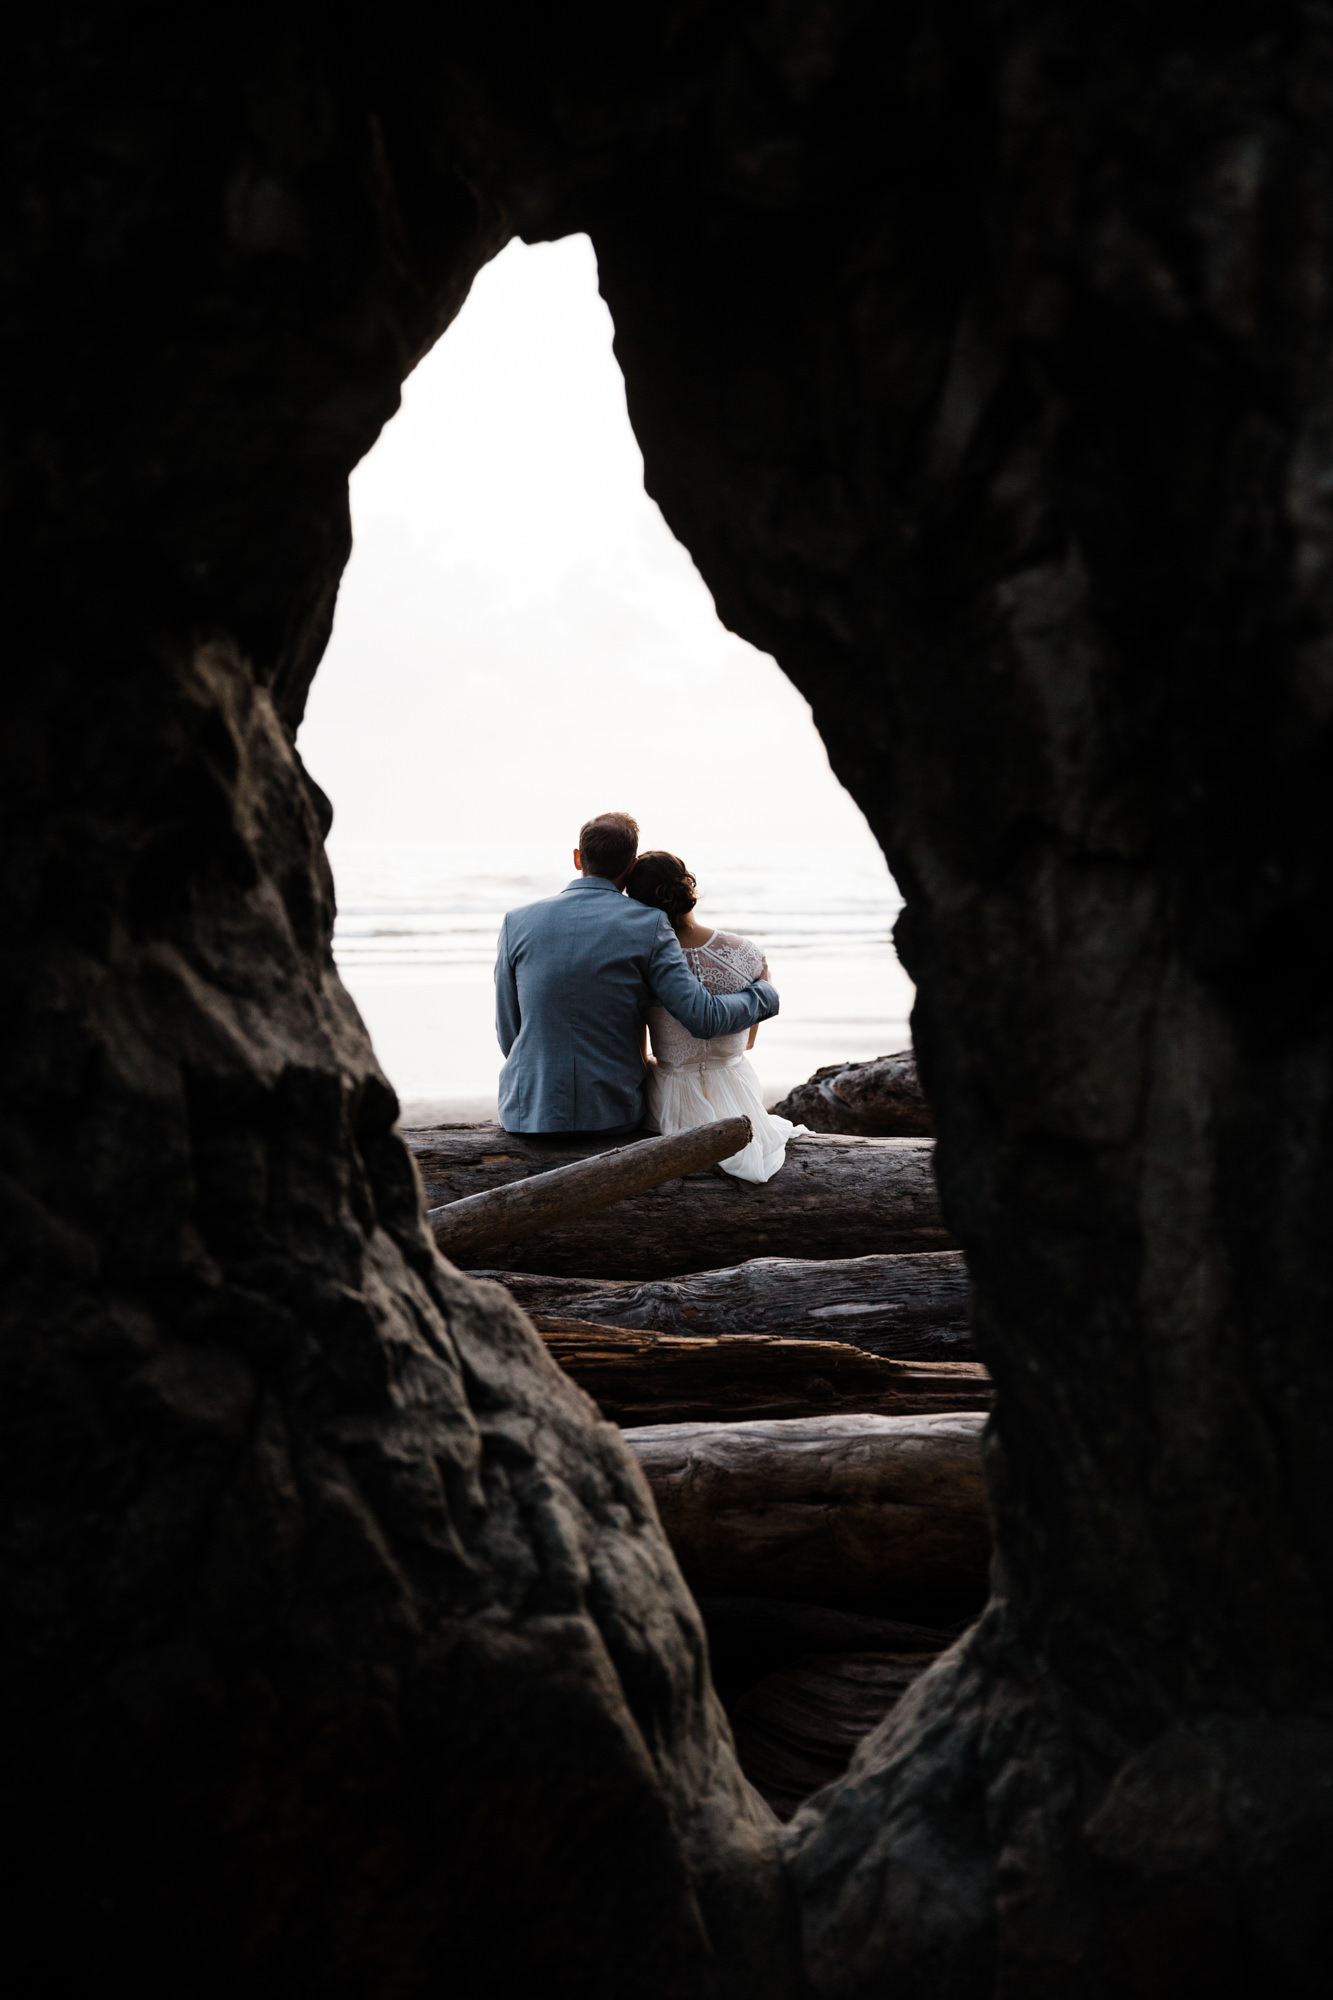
x=692 y=1083
x=726 y=964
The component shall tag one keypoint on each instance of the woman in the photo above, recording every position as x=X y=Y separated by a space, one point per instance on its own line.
x=694 y=1083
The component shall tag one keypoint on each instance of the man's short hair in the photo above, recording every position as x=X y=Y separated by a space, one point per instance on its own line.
x=608 y=844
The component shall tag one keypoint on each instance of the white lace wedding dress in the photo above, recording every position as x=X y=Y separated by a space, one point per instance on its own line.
x=696 y=1083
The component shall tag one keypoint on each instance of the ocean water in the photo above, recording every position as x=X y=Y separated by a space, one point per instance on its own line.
x=417 y=925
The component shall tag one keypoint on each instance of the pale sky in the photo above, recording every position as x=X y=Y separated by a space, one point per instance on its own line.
x=520 y=641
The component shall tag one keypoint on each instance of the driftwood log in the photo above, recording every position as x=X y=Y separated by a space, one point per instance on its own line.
x=751 y=1637
x=877 y=1513
x=796 y=1729
x=835 y=1197
x=503 y=1215
x=878 y=1099
x=638 y=1377
x=913 y=1308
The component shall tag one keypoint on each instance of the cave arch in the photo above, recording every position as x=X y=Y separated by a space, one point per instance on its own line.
x=981 y=364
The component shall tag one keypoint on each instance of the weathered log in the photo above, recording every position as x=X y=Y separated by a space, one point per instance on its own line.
x=835 y=1197
x=878 y=1099
x=796 y=1729
x=637 y=1377
x=503 y=1215
x=913 y=1308
x=873 y=1512
x=751 y=1637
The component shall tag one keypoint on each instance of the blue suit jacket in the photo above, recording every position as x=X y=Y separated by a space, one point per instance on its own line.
x=573 y=980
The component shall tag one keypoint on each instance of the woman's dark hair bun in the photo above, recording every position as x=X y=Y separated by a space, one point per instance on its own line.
x=663 y=882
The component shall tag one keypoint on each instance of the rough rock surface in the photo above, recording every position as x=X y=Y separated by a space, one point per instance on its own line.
x=797 y=1728
x=879 y=1100
x=342 y=1651
x=295 y=1526
x=980 y=357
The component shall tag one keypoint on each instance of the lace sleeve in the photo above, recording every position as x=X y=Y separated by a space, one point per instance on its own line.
x=727 y=963
x=745 y=955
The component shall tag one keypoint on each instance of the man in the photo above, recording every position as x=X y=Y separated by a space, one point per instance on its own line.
x=573 y=980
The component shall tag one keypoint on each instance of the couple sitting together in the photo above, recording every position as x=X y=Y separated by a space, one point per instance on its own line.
x=585 y=978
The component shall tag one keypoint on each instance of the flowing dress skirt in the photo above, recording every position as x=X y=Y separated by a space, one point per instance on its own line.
x=701 y=1092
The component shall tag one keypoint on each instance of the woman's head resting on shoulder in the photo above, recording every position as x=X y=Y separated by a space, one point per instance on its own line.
x=663 y=882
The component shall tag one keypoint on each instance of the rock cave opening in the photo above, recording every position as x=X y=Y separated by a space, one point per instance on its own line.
x=979 y=358
x=518 y=633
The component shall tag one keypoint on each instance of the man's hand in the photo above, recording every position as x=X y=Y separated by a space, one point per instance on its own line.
x=763 y=970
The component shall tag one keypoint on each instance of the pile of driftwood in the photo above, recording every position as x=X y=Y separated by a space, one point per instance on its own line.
x=874 y=1099
x=793 y=1368
x=836 y=1196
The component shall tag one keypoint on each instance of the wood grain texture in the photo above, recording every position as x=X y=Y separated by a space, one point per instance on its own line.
x=908 y=1307
x=750 y=1637
x=637 y=1377
x=797 y=1728
x=834 y=1197
x=879 y=1099
x=858 y=1510
x=507 y=1214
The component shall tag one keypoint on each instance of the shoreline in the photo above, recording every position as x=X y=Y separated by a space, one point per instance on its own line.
x=418 y=1113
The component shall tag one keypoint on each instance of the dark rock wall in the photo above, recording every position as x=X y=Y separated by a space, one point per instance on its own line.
x=343 y=1653
x=980 y=356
